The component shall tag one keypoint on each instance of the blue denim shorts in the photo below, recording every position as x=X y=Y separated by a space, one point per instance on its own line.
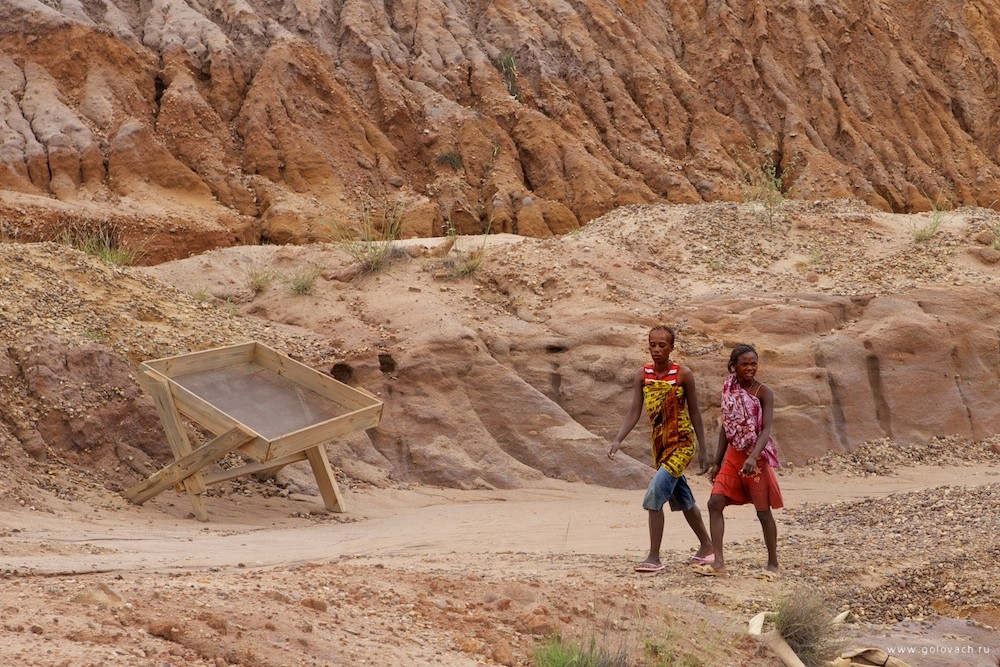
x=667 y=489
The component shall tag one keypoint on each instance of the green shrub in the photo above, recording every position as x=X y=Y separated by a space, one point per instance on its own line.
x=763 y=185
x=452 y=158
x=507 y=65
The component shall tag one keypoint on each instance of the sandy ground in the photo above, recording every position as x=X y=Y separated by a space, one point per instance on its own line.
x=429 y=576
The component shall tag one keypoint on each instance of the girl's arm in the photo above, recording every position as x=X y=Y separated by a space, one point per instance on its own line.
x=631 y=417
x=686 y=379
x=767 y=412
x=720 y=453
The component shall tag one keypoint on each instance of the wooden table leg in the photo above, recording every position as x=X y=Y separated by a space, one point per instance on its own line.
x=177 y=439
x=328 y=488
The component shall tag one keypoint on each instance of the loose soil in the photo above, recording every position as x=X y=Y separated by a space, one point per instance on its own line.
x=421 y=575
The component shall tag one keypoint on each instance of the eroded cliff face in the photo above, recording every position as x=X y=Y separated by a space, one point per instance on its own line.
x=202 y=123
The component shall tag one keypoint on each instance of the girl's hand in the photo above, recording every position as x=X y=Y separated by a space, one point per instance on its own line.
x=613 y=449
x=702 y=466
x=749 y=467
x=712 y=471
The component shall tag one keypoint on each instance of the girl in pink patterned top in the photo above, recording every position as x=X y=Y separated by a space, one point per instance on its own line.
x=743 y=471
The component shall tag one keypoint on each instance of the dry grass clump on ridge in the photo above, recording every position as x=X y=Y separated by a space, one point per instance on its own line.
x=805 y=622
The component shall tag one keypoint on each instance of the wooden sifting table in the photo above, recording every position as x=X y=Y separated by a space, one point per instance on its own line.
x=258 y=401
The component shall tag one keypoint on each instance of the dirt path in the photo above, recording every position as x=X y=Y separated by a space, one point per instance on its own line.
x=562 y=519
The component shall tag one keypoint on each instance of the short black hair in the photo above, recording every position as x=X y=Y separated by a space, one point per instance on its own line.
x=669 y=330
x=738 y=352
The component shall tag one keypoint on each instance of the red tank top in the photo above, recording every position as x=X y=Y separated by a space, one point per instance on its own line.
x=670 y=377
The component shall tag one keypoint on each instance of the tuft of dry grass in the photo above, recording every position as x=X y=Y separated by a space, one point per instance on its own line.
x=560 y=652
x=467 y=264
x=200 y=293
x=106 y=241
x=804 y=620
x=258 y=279
x=924 y=232
x=302 y=282
x=667 y=641
x=370 y=242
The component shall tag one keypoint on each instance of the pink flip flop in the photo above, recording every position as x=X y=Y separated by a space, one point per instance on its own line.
x=699 y=560
x=646 y=566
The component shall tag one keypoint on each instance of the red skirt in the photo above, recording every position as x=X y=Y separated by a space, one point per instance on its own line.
x=761 y=489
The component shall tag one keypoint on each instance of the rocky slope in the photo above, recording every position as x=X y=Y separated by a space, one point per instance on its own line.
x=202 y=123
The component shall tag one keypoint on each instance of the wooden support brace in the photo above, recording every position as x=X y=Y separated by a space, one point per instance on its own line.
x=324 y=479
x=254 y=468
x=188 y=465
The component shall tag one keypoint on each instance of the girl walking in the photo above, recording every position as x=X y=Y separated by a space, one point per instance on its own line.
x=743 y=470
x=668 y=393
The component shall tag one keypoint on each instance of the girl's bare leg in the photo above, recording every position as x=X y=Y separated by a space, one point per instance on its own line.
x=717 y=526
x=655 y=535
x=770 y=529
x=693 y=517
